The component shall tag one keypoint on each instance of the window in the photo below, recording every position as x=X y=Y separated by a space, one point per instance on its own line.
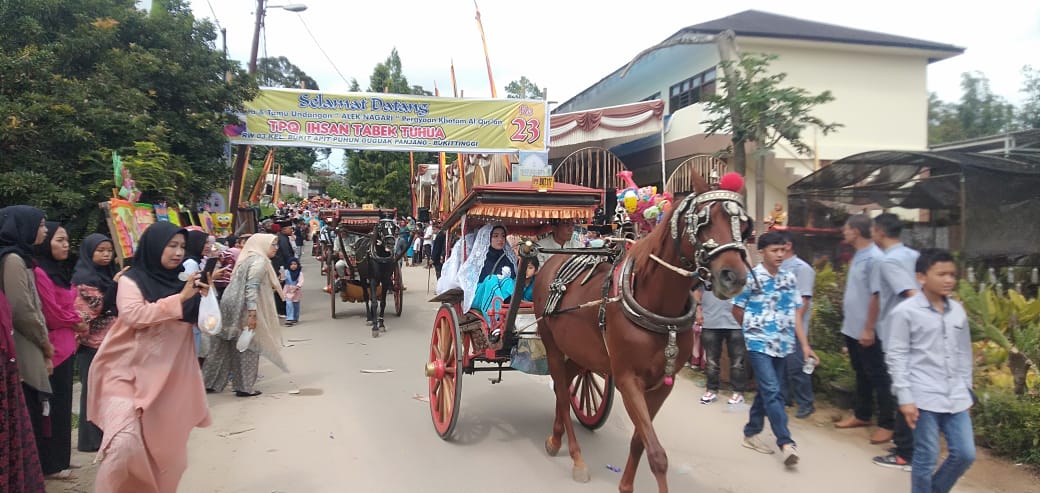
x=691 y=91
x=656 y=95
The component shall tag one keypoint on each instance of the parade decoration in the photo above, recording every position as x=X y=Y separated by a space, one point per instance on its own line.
x=391 y=122
x=127 y=186
x=644 y=205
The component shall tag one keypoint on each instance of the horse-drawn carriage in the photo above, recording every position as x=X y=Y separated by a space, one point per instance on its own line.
x=360 y=262
x=461 y=339
x=613 y=317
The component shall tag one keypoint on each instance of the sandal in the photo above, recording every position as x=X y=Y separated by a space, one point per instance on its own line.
x=239 y=393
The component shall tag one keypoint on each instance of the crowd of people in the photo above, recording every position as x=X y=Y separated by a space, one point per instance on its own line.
x=132 y=334
x=907 y=339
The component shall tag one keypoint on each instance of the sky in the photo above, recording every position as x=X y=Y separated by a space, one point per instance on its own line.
x=567 y=45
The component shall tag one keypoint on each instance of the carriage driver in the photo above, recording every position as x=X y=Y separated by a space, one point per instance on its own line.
x=562 y=237
x=342 y=246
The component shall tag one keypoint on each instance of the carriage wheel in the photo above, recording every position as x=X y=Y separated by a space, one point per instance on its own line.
x=331 y=283
x=398 y=294
x=592 y=395
x=444 y=371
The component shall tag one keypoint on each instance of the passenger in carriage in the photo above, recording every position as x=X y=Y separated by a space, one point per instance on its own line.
x=488 y=272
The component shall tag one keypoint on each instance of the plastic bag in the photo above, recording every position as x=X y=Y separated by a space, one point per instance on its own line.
x=209 y=314
x=244 y=339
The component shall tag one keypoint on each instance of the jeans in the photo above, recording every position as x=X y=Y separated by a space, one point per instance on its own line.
x=796 y=384
x=292 y=311
x=712 y=341
x=872 y=381
x=768 y=402
x=960 y=442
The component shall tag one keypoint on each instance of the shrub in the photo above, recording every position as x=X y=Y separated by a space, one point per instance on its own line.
x=828 y=296
x=1008 y=425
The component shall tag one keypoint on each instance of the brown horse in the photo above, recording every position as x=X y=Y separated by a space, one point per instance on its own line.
x=638 y=338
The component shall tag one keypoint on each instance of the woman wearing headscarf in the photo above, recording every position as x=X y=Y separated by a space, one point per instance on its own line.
x=22 y=227
x=58 y=299
x=146 y=390
x=248 y=302
x=94 y=278
x=487 y=273
x=19 y=462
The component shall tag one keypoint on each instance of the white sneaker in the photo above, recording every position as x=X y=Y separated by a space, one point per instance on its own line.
x=709 y=397
x=736 y=399
x=790 y=455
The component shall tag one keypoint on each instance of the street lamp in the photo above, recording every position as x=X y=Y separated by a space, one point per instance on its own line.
x=238 y=170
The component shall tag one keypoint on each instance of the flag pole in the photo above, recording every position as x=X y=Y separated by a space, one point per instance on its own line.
x=491 y=79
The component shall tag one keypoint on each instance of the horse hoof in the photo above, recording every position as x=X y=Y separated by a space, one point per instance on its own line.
x=382 y=328
x=375 y=333
x=581 y=474
x=551 y=448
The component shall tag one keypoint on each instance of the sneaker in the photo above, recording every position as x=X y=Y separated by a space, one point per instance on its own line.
x=736 y=399
x=756 y=444
x=805 y=413
x=790 y=454
x=709 y=397
x=893 y=461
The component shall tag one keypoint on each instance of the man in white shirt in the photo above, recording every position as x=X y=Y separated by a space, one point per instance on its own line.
x=562 y=237
x=427 y=244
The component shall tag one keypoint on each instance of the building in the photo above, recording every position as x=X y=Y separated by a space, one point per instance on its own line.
x=879 y=82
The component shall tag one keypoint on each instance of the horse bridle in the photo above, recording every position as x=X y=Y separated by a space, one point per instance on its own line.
x=385 y=234
x=698 y=217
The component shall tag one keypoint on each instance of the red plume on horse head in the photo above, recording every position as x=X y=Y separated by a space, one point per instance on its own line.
x=732 y=182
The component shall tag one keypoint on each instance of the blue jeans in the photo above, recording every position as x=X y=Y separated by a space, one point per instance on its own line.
x=796 y=384
x=768 y=401
x=292 y=311
x=960 y=442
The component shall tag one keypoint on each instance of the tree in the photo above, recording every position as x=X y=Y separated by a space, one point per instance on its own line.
x=280 y=72
x=380 y=177
x=770 y=111
x=523 y=88
x=943 y=124
x=1029 y=113
x=79 y=80
x=980 y=112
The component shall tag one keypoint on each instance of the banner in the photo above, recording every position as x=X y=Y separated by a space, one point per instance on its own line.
x=392 y=122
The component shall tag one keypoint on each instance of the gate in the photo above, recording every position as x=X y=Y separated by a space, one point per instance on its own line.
x=709 y=167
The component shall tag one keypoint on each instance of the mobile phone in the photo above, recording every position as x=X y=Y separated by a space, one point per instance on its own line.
x=207 y=271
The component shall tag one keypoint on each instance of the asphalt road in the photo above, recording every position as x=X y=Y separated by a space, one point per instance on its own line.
x=348 y=431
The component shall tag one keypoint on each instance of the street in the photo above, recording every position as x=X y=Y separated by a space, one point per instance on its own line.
x=349 y=431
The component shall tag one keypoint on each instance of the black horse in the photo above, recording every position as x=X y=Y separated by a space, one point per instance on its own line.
x=376 y=264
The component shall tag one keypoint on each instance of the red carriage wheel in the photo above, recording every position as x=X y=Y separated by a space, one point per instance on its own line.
x=592 y=395
x=444 y=371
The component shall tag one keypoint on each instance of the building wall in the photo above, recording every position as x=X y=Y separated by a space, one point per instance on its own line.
x=881 y=99
x=880 y=94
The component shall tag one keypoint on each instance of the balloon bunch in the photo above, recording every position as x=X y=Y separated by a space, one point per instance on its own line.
x=643 y=204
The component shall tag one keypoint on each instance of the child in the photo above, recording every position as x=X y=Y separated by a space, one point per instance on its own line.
x=766 y=312
x=929 y=358
x=532 y=270
x=292 y=290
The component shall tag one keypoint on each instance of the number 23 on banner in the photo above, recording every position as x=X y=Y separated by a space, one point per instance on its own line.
x=526 y=130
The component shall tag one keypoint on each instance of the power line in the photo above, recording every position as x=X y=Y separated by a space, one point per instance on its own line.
x=214 y=12
x=322 y=50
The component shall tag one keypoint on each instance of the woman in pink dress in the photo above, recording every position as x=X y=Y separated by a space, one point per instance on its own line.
x=145 y=384
x=58 y=298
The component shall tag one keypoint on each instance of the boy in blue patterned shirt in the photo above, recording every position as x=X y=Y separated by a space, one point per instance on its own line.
x=766 y=312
